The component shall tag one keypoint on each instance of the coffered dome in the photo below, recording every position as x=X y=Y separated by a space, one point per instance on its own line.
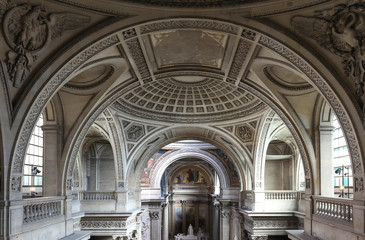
x=186 y=100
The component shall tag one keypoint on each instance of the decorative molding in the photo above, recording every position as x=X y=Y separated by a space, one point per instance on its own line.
x=260 y=149
x=359 y=184
x=226 y=214
x=129 y=33
x=27 y=29
x=117 y=144
x=189 y=73
x=124 y=106
x=137 y=54
x=69 y=184
x=172 y=157
x=330 y=97
x=249 y=34
x=341 y=31
x=189 y=23
x=16 y=183
x=245 y=133
x=154 y=215
x=275 y=223
x=240 y=56
x=134 y=132
x=88 y=223
x=43 y=97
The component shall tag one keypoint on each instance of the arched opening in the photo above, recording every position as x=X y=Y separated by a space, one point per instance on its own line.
x=343 y=178
x=191 y=188
x=33 y=164
x=225 y=95
x=100 y=171
x=279 y=167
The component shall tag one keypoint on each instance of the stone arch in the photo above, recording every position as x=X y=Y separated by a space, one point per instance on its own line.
x=205 y=135
x=177 y=167
x=184 y=153
x=109 y=39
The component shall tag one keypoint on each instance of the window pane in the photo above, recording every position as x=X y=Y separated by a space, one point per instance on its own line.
x=34 y=157
x=341 y=160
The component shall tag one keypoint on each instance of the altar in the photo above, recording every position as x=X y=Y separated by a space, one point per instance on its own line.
x=185 y=237
x=190 y=235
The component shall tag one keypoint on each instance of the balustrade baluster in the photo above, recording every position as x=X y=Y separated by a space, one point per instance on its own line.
x=350 y=213
x=319 y=203
x=26 y=213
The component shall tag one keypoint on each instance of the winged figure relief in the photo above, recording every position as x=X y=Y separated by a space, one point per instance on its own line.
x=341 y=30
x=27 y=29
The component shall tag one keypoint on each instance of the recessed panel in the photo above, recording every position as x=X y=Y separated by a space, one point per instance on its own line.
x=189 y=47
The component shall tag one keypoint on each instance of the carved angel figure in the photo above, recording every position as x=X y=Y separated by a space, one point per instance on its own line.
x=342 y=31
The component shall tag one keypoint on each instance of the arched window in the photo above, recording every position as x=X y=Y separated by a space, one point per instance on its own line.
x=343 y=180
x=33 y=165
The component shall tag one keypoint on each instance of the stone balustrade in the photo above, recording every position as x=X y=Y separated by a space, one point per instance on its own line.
x=334 y=208
x=282 y=195
x=97 y=196
x=41 y=208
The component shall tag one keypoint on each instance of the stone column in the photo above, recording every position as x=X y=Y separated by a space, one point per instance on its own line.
x=155 y=216
x=183 y=212
x=225 y=223
x=171 y=218
x=165 y=221
x=50 y=160
x=216 y=220
x=326 y=166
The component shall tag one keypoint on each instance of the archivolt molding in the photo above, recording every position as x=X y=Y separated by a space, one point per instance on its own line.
x=176 y=165
x=293 y=131
x=116 y=147
x=47 y=92
x=261 y=150
x=55 y=82
x=333 y=101
x=189 y=153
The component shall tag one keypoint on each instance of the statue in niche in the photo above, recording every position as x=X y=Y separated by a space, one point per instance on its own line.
x=190 y=230
x=341 y=30
x=27 y=29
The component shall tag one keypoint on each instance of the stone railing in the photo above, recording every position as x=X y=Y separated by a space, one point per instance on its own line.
x=338 y=209
x=97 y=196
x=42 y=208
x=282 y=195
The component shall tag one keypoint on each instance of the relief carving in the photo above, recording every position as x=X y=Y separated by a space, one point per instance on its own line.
x=135 y=132
x=244 y=133
x=15 y=183
x=359 y=184
x=340 y=30
x=69 y=184
x=155 y=215
x=226 y=214
x=27 y=29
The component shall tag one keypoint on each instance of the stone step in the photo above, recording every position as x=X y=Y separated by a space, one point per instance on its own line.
x=299 y=235
x=78 y=235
